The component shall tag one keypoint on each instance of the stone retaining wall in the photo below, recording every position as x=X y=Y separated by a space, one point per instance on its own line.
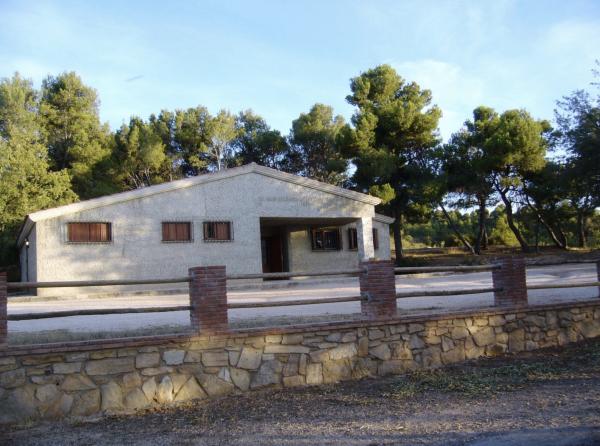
x=105 y=377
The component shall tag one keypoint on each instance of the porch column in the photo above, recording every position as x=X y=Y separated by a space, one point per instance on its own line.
x=364 y=231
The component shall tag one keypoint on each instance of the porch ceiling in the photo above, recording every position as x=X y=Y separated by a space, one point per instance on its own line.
x=287 y=221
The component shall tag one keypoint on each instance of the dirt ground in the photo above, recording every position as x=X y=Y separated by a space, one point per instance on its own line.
x=544 y=398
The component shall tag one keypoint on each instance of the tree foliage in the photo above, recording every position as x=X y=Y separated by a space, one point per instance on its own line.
x=75 y=138
x=392 y=143
x=26 y=183
x=315 y=151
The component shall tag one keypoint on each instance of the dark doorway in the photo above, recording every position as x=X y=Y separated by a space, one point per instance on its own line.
x=272 y=253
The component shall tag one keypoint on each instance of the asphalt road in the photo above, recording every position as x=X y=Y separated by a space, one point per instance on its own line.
x=561 y=274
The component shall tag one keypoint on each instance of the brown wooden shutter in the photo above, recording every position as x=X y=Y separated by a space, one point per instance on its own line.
x=93 y=232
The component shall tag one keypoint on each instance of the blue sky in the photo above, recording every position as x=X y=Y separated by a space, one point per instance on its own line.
x=280 y=57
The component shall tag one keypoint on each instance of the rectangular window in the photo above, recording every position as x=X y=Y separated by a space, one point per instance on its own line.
x=352 y=238
x=219 y=231
x=375 y=239
x=175 y=231
x=326 y=239
x=89 y=232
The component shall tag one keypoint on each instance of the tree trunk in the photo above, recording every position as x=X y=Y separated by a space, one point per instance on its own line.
x=548 y=228
x=397 y=228
x=511 y=221
x=481 y=240
x=463 y=240
x=561 y=235
x=582 y=239
x=486 y=240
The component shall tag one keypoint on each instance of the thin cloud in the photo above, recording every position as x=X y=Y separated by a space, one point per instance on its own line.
x=134 y=78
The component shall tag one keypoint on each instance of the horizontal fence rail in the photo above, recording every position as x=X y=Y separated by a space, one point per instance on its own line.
x=563 y=285
x=446 y=292
x=85 y=283
x=441 y=269
x=94 y=312
x=287 y=303
x=286 y=275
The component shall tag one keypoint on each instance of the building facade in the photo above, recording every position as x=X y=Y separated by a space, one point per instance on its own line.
x=252 y=219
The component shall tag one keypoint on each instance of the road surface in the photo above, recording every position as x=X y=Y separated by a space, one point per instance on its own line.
x=570 y=273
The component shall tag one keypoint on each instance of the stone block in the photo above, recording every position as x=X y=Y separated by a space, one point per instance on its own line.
x=273 y=339
x=154 y=371
x=459 y=333
x=214 y=386
x=241 y=378
x=103 y=354
x=516 y=340
x=447 y=344
x=132 y=380
x=191 y=390
x=109 y=366
x=178 y=380
x=293 y=381
x=319 y=355
x=164 y=391
x=136 y=399
x=314 y=374
x=73 y=383
x=86 y=403
x=382 y=352
x=395 y=367
x=215 y=359
x=457 y=354
x=111 y=396
x=59 y=408
x=482 y=335
x=334 y=337
x=250 y=358
x=12 y=378
x=415 y=328
x=149 y=388
x=268 y=374
x=335 y=371
x=401 y=350
x=193 y=357
x=173 y=357
x=65 y=368
x=47 y=393
x=343 y=351
x=18 y=404
x=286 y=349
x=376 y=334
x=431 y=357
x=292 y=339
x=363 y=346
x=497 y=320
x=495 y=349
x=144 y=360
x=234 y=357
x=416 y=342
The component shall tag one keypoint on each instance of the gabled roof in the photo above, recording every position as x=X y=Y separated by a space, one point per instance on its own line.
x=185 y=183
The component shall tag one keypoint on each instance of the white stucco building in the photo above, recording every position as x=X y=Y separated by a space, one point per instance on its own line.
x=252 y=219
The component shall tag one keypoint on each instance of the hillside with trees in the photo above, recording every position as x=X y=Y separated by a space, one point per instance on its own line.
x=504 y=178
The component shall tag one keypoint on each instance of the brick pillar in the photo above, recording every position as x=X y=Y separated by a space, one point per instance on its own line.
x=208 y=299
x=3 y=312
x=511 y=277
x=598 y=274
x=378 y=288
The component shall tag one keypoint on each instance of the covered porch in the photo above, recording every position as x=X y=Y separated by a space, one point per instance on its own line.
x=312 y=244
